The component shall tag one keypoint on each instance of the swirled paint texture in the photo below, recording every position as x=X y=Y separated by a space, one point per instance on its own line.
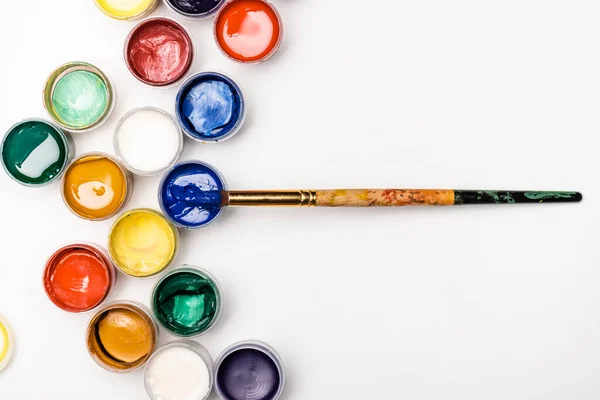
x=248 y=374
x=80 y=99
x=34 y=152
x=196 y=8
x=159 y=52
x=248 y=30
x=186 y=302
x=210 y=107
x=191 y=194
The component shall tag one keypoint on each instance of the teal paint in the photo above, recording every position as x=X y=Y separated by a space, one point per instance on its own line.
x=187 y=302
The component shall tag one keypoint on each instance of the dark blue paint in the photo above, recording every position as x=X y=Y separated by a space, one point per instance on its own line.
x=196 y=7
x=190 y=194
x=210 y=107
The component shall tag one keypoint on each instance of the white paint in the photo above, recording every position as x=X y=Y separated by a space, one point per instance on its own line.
x=148 y=141
x=177 y=373
x=42 y=157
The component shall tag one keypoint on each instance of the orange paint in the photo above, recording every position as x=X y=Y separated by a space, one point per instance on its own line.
x=248 y=30
x=95 y=186
x=78 y=277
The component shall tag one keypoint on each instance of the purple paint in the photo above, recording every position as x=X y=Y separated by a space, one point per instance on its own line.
x=249 y=371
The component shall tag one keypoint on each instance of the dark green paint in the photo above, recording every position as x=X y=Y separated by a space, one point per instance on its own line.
x=186 y=302
x=513 y=197
x=22 y=140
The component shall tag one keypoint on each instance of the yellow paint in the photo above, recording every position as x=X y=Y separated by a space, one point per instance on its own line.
x=5 y=343
x=95 y=187
x=126 y=9
x=143 y=242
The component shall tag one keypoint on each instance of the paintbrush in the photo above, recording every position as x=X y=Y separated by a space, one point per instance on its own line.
x=193 y=193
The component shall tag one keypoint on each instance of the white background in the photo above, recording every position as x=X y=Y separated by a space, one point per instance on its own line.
x=422 y=304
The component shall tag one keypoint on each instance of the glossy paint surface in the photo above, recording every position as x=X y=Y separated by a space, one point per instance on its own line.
x=78 y=277
x=248 y=30
x=142 y=242
x=80 y=99
x=35 y=152
x=121 y=337
x=249 y=371
x=210 y=107
x=95 y=186
x=159 y=51
x=187 y=302
x=190 y=194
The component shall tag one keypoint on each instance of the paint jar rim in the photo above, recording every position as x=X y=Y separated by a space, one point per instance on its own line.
x=253 y=345
x=65 y=136
x=265 y=58
x=106 y=262
x=229 y=80
x=163 y=180
x=191 y=62
x=194 y=17
x=126 y=174
x=63 y=70
x=148 y=10
x=203 y=273
x=173 y=228
x=190 y=345
x=130 y=305
x=11 y=343
x=118 y=150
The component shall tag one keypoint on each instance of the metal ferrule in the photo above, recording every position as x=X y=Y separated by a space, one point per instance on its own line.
x=297 y=198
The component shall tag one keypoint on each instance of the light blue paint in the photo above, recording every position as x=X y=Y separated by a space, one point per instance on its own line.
x=210 y=107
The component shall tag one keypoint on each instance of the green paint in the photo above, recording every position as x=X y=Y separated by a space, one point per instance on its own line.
x=80 y=99
x=186 y=302
x=549 y=195
x=34 y=152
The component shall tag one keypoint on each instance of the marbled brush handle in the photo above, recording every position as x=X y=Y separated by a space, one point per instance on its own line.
x=415 y=197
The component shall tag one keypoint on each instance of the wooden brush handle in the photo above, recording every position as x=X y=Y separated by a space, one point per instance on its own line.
x=384 y=198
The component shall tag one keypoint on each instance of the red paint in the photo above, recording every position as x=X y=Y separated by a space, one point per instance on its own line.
x=159 y=51
x=78 y=277
x=248 y=30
